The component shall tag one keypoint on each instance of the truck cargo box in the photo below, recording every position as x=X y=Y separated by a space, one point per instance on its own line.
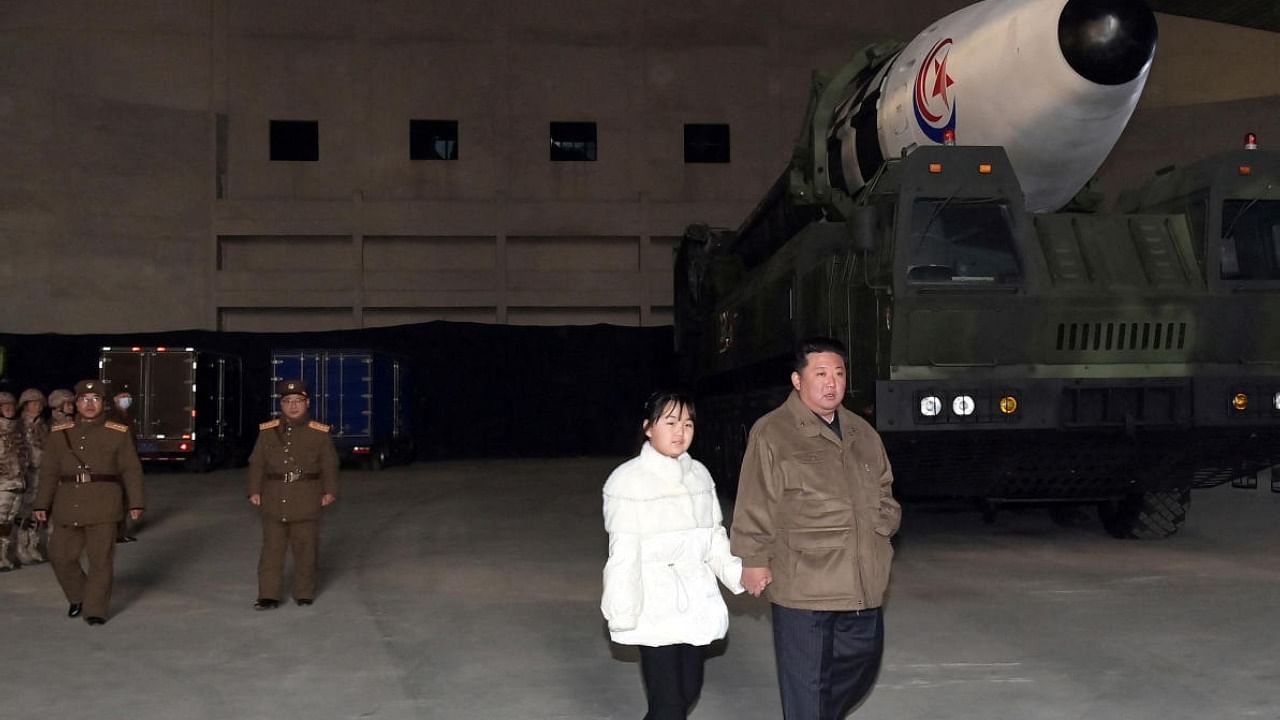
x=362 y=395
x=187 y=404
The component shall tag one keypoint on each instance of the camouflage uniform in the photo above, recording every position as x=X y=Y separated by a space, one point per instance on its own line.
x=293 y=468
x=34 y=433
x=13 y=480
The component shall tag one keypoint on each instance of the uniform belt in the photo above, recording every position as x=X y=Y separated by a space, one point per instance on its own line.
x=93 y=477
x=286 y=478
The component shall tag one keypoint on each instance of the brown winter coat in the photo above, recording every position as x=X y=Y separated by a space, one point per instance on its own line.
x=817 y=510
x=107 y=449
x=282 y=446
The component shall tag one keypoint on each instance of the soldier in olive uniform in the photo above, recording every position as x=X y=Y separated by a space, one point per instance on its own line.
x=89 y=474
x=293 y=472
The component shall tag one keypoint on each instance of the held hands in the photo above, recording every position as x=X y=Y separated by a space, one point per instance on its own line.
x=255 y=499
x=326 y=500
x=756 y=579
x=40 y=515
x=135 y=513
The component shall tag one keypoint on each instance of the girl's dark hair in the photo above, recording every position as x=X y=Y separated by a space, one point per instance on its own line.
x=658 y=402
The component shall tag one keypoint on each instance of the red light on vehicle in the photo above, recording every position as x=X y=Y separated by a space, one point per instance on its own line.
x=949 y=137
x=935 y=168
x=361 y=450
x=186 y=436
x=136 y=349
x=184 y=447
x=193 y=413
x=1250 y=141
x=1244 y=170
x=160 y=349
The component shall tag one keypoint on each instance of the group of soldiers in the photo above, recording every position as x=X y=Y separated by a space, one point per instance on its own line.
x=23 y=431
x=80 y=476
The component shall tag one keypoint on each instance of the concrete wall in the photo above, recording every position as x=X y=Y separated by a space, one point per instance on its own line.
x=137 y=193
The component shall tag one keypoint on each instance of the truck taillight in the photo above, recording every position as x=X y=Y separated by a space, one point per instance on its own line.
x=1250 y=141
x=184 y=446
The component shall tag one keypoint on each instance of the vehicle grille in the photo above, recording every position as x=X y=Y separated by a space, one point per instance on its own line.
x=1122 y=336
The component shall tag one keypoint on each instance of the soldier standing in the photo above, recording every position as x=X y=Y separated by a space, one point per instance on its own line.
x=293 y=472
x=119 y=412
x=12 y=480
x=62 y=406
x=34 y=433
x=89 y=474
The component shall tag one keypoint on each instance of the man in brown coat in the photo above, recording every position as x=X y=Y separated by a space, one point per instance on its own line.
x=89 y=474
x=293 y=472
x=812 y=523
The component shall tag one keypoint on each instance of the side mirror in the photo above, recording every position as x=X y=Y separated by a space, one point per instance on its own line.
x=862 y=229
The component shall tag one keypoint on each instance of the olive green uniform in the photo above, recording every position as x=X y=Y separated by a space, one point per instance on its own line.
x=89 y=474
x=293 y=465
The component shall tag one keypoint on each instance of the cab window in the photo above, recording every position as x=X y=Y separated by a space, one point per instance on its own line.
x=962 y=241
x=1250 y=247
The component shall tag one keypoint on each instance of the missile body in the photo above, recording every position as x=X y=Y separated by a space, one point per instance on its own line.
x=1052 y=81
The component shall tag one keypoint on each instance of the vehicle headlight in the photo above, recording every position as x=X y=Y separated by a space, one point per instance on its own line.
x=963 y=405
x=1240 y=402
x=1009 y=404
x=931 y=405
x=1275 y=401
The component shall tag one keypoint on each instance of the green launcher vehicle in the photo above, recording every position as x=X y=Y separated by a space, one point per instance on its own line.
x=1064 y=359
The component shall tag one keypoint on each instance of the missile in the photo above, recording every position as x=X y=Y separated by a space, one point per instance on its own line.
x=1054 y=82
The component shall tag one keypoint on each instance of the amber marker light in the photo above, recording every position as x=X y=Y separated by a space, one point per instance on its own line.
x=1240 y=402
x=1008 y=404
x=984 y=168
x=1244 y=170
x=935 y=168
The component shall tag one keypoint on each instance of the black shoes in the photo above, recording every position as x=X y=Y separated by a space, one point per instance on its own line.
x=304 y=602
x=265 y=604
x=73 y=610
x=126 y=539
x=96 y=620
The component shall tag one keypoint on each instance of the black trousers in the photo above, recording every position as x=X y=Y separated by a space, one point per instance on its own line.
x=827 y=660
x=672 y=679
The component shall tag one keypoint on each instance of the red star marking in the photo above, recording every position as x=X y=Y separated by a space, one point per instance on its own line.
x=942 y=81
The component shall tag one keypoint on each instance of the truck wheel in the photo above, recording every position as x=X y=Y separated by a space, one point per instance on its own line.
x=201 y=462
x=1148 y=515
x=378 y=458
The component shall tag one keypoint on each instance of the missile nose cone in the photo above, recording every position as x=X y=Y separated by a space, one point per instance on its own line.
x=1107 y=41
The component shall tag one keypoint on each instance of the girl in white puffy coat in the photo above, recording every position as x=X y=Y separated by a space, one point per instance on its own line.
x=667 y=546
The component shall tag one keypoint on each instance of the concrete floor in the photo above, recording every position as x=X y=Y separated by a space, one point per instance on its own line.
x=471 y=590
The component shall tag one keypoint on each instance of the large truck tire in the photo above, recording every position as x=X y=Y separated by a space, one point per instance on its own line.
x=379 y=456
x=1149 y=515
x=201 y=462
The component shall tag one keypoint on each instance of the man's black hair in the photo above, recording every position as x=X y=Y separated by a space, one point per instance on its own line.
x=818 y=344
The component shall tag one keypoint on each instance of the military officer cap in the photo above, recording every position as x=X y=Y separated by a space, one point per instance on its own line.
x=89 y=387
x=7 y=399
x=292 y=387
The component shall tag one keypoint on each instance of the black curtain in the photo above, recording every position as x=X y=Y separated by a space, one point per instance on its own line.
x=478 y=390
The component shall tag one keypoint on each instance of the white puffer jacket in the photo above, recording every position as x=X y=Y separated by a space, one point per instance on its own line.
x=667 y=546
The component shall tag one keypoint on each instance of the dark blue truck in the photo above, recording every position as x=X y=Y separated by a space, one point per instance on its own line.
x=364 y=396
